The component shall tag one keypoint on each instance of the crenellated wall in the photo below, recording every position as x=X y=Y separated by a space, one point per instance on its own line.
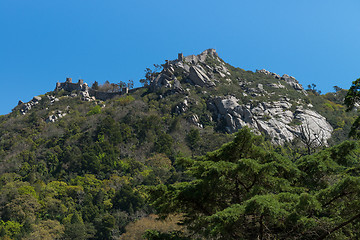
x=69 y=86
x=104 y=95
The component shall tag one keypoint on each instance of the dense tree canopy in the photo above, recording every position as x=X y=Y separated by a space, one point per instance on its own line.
x=245 y=190
x=352 y=100
x=107 y=167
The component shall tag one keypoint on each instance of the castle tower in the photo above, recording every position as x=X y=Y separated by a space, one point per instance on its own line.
x=81 y=82
x=180 y=57
x=69 y=80
x=125 y=90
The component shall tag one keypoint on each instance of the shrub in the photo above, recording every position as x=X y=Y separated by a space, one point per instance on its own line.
x=123 y=101
x=94 y=110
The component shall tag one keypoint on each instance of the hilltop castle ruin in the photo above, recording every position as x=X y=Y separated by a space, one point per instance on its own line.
x=69 y=86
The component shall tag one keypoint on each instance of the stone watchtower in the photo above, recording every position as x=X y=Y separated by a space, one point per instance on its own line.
x=69 y=80
x=125 y=90
x=81 y=82
x=180 y=57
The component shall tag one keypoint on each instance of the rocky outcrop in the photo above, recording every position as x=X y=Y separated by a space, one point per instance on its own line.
x=274 y=85
x=288 y=79
x=194 y=119
x=166 y=79
x=55 y=116
x=279 y=120
x=85 y=96
x=25 y=107
x=182 y=107
x=293 y=82
x=314 y=127
x=198 y=77
x=52 y=99
x=275 y=119
x=193 y=67
x=266 y=72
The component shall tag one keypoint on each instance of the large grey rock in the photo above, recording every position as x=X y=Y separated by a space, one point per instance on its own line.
x=266 y=72
x=55 y=116
x=275 y=119
x=314 y=125
x=194 y=119
x=274 y=85
x=288 y=79
x=182 y=107
x=198 y=77
x=167 y=79
x=177 y=84
x=85 y=96
x=36 y=99
x=226 y=104
x=293 y=82
x=25 y=107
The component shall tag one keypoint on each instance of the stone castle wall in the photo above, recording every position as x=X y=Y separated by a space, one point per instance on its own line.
x=105 y=95
x=69 y=86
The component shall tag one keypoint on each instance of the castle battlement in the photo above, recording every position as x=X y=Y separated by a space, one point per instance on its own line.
x=69 y=86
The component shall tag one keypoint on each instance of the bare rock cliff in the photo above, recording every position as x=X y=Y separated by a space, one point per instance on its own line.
x=282 y=120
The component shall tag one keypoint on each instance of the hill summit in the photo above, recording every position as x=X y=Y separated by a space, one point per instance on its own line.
x=231 y=98
x=78 y=162
x=264 y=101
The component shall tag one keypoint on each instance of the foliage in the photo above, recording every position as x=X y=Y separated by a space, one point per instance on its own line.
x=351 y=100
x=88 y=175
x=150 y=75
x=95 y=85
x=244 y=190
x=156 y=235
x=331 y=105
x=94 y=110
x=137 y=229
x=125 y=100
x=193 y=138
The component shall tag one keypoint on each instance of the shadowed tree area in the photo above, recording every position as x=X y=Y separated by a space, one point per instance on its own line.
x=245 y=190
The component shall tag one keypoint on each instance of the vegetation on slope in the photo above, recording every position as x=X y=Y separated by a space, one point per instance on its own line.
x=246 y=190
x=86 y=175
x=107 y=164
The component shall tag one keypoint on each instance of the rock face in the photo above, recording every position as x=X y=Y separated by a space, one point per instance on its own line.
x=182 y=107
x=228 y=98
x=275 y=119
x=288 y=79
x=55 y=116
x=193 y=69
x=198 y=77
x=278 y=119
x=194 y=119
x=25 y=107
x=52 y=99
x=165 y=79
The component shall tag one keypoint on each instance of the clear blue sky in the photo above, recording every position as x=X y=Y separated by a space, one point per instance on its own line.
x=45 y=41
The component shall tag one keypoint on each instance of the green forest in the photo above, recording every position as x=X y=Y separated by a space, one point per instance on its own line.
x=133 y=168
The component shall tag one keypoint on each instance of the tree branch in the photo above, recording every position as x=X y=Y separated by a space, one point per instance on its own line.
x=338 y=227
x=343 y=194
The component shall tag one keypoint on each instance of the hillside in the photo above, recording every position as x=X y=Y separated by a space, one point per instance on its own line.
x=78 y=161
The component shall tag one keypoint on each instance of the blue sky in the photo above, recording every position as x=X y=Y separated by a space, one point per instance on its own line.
x=45 y=41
